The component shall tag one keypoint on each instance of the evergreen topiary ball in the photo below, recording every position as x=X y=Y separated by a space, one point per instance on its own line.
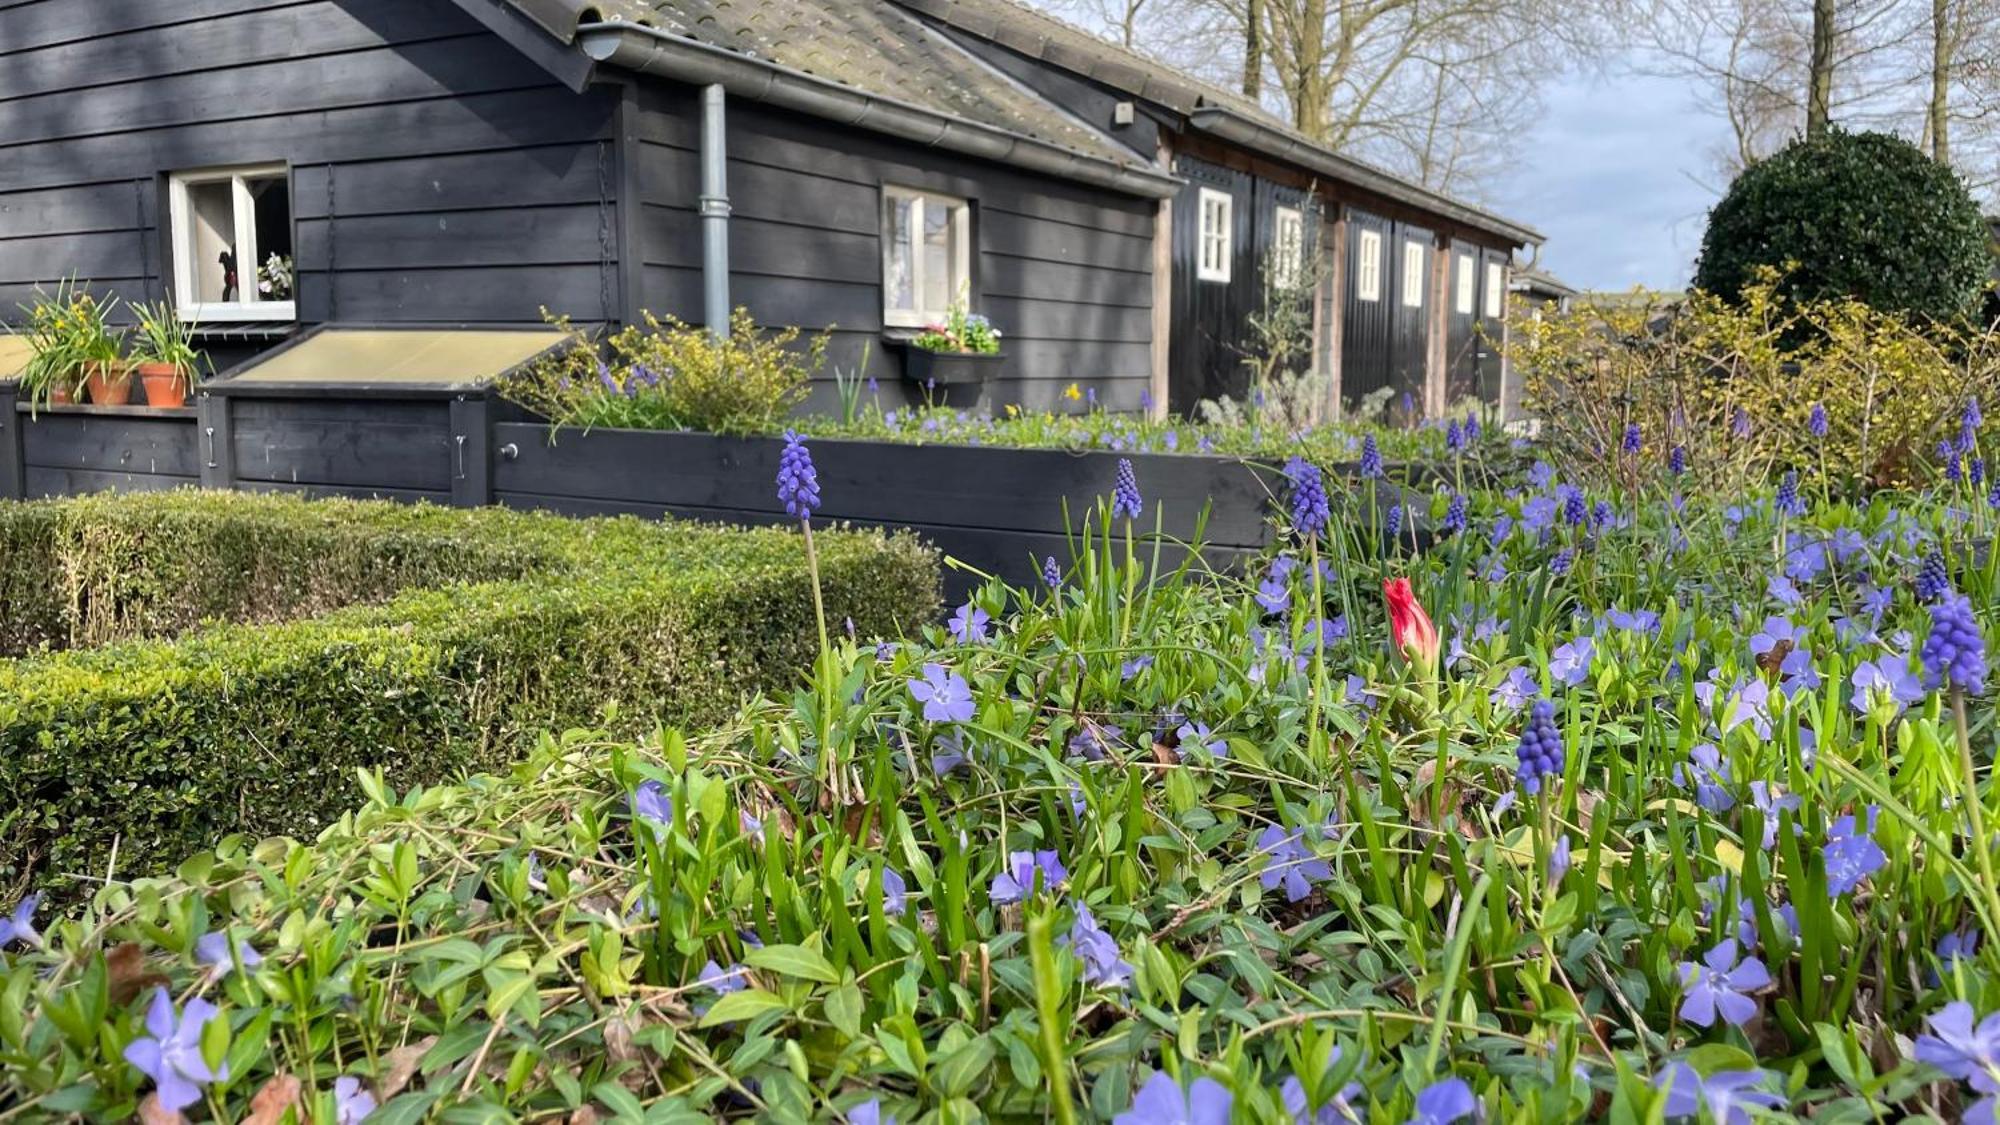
x=1863 y=215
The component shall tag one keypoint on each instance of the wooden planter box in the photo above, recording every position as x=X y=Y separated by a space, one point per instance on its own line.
x=1001 y=511
x=950 y=369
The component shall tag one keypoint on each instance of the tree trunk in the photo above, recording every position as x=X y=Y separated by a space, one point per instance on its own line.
x=1253 y=50
x=1819 y=76
x=1940 y=107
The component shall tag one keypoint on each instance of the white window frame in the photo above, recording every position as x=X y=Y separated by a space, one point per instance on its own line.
x=1368 y=266
x=1413 y=274
x=961 y=254
x=244 y=212
x=1496 y=290
x=1288 y=246
x=1215 y=236
x=1466 y=277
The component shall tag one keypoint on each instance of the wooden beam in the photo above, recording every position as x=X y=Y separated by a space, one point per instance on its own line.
x=1163 y=289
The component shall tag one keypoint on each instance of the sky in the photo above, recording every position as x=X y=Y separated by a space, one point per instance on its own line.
x=1619 y=174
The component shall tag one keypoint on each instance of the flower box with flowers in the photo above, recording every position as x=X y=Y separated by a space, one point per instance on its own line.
x=963 y=349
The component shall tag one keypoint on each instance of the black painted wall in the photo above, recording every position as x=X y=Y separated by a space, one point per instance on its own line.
x=438 y=174
x=1461 y=354
x=1065 y=271
x=1366 y=332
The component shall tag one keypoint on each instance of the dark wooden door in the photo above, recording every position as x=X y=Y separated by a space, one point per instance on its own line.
x=1461 y=355
x=1211 y=305
x=1409 y=334
x=1366 y=300
x=1487 y=355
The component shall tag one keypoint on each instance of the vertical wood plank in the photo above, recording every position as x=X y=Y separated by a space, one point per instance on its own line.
x=12 y=470
x=472 y=451
x=216 y=438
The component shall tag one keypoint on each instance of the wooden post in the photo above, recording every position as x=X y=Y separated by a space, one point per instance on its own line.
x=471 y=451
x=215 y=441
x=13 y=469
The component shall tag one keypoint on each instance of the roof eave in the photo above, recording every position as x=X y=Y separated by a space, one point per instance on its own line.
x=1238 y=128
x=648 y=50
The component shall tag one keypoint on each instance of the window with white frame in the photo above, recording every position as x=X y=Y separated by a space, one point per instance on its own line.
x=231 y=231
x=1217 y=236
x=926 y=256
x=1466 y=276
x=1368 y=266
x=1495 y=280
x=1288 y=247
x=1413 y=275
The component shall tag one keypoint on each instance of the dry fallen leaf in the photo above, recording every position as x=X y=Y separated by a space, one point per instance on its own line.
x=584 y=1115
x=278 y=1095
x=402 y=1067
x=127 y=964
x=151 y=1112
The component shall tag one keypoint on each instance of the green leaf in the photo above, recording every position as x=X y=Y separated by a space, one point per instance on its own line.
x=619 y=1100
x=743 y=1005
x=794 y=961
x=959 y=1071
x=844 y=1007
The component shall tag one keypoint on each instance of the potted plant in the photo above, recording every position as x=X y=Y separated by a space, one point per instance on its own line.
x=163 y=354
x=963 y=349
x=69 y=335
x=106 y=376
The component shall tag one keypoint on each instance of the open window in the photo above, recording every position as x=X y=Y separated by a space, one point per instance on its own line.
x=1218 y=227
x=231 y=232
x=926 y=256
x=1495 y=290
x=1368 y=266
x=1413 y=274
x=1288 y=247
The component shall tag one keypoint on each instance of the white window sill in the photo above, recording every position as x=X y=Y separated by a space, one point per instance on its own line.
x=240 y=311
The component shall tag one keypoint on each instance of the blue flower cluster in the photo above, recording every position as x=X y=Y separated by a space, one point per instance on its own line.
x=1541 y=748
x=1954 y=654
x=1310 y=511
x=1125 y=499
x=798 y=481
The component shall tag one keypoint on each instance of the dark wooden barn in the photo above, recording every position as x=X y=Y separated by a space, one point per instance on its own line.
x=838 y=165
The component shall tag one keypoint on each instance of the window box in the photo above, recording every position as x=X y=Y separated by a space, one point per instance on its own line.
x=949 y=369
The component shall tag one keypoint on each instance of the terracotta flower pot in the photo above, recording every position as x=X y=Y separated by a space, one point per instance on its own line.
x=166 y=384
x=60 y=395
x=109 y=384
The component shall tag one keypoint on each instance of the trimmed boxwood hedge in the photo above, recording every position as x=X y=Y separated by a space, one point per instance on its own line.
x=122 y=760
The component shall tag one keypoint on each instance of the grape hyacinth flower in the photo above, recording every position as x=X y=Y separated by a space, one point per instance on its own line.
x=968 y=625
x=1575 y=512
x=1024 y=869
x=1677 y=460
x=1454 y=436
x=1098 y=950
x=1125 y=499
x=20 y=924
x=1540 y=752
x=798 y=481
x=212 y=950
x=1816 y=423
x=1292 y=863
x=1472 y=429
x=1933 y=580
x=946 y=697
x=1851 y=854
x=1442 y=1103
x=1954 y=654
x=352 y=1101
x=1789 y=502
x=1051 y=573
x=1725 y=1095
x=1454 y=515
x=1562 y=562
x=1371 y=459
x=1629 y=444
x=1739 y=423
x=1393 y=522
x=1161 y=1101
x=170 y=1052
x=1310 y=512
x=1719 y=986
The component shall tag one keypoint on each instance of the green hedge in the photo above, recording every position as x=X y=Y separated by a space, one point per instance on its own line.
x=126 y=758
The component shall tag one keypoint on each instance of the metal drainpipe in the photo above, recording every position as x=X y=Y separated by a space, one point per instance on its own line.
x=714 y=213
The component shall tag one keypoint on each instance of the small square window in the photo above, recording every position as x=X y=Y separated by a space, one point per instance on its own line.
x=1288 y=247
x=1413 y=275
x=1495 y=289
x=926 y=256
x=1466 y=277
x=1217 y=237
x=1368 y=266
x=231 y=234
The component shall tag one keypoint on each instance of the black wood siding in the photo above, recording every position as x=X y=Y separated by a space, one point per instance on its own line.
x=1210 y=318
x=437 y=174
x=1461 y=357
x=1367 y=332
x=1410 y=325
x=1064 y=271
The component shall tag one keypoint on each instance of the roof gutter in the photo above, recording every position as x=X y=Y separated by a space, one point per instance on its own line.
x=1237 y=128
x=652 y=51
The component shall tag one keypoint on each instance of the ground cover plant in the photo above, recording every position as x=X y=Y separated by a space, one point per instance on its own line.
x=1629 y=803
x=448 y=638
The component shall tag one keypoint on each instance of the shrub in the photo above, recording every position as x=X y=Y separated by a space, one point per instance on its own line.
x=1860 y=215
x=126 y=758
x=673 y=376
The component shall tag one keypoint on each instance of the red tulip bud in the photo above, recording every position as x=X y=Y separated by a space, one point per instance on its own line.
x=1409 y=626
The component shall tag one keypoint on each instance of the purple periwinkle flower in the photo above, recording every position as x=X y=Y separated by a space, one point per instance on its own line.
x=170 y=1052
x=893 y=892
x=1569 y=664
x=798 y=481
x=1725 y=1096
x=1559 y=861
x=1957 y=945
x=352 y=1101
x=1887 y=683
x=20 y=924
x=1338 y=1110
x=870 y=1113
x=946 y=697
x=1960 y=1048
x=968 y=625
x=1310 y=511
x=1709 y=775
x=1125 y=499
x=1197 y=734
x=1954 y=654
x=1292 y=862
x=212 y=950
x=1516 y=690
x=1095 y=740
x=1018 y=880
x=1161 y=1101
x=1739 y=423
x=1720 y=986
x=1098 y=950
x=652 y=803
x=1851 y=854
x=1442 y=1103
